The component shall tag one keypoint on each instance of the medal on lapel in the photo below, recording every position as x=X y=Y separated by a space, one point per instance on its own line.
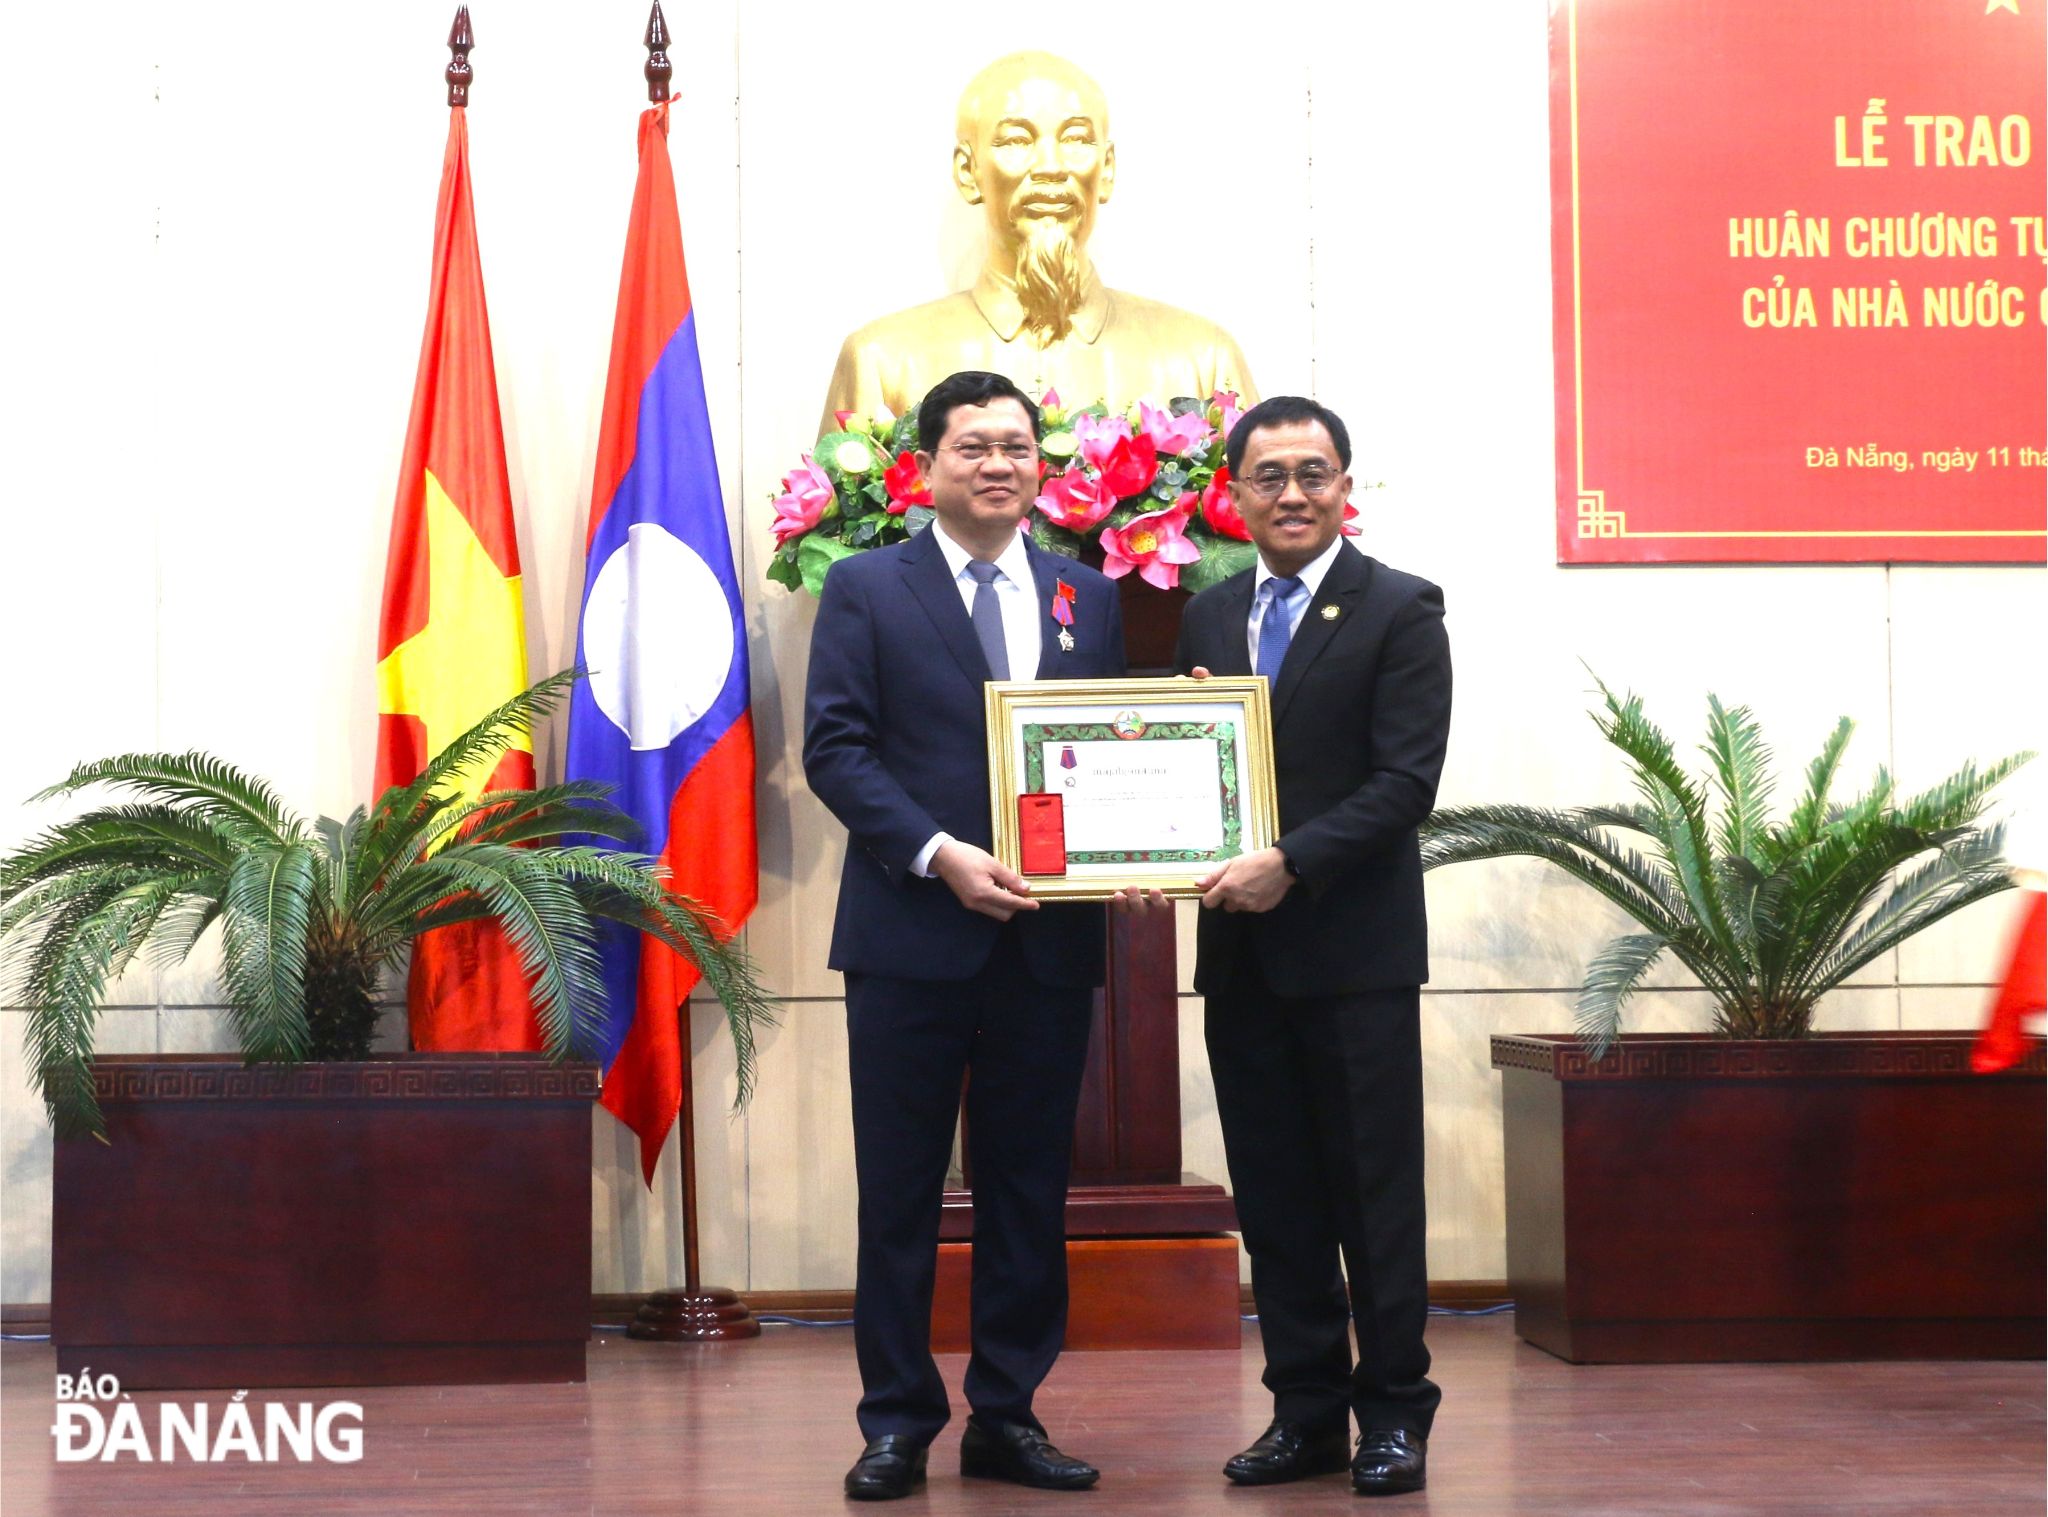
x=1063 y=613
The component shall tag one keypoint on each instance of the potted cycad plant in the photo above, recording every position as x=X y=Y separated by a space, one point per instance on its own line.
x=1763 y=1191
x=311 y=1214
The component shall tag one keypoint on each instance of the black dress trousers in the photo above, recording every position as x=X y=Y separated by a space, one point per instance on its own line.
x=1321 y=1104
x=1021 y=1046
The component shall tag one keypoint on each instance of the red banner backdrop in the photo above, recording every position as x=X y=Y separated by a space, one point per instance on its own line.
x=1799 y=280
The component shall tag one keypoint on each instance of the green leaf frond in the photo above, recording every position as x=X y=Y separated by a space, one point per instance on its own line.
x=1967 y=869
x=1677 y=800
x=403 y=812
x=547 y=926
x=510 y=816
x=179 y=930
x=482 y=745
x=637 y=897
x=1457 y=835
x=1614 y=976
x=1812 y=808
x=197 y=782
x=91 y=938
x=1959 y=799
x=156 y=837
x=343 y=842
x=1626 y=817
x=1735 y=746
x=268 y=906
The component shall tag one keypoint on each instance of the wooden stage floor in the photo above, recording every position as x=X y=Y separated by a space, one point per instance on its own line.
x=767 y=1427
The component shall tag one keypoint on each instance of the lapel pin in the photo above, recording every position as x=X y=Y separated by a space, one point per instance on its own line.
x=1329 y=613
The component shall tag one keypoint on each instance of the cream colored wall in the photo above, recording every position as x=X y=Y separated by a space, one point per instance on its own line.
x=218 y=282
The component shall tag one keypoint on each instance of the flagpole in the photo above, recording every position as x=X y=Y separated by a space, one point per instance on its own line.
x=695 y=1313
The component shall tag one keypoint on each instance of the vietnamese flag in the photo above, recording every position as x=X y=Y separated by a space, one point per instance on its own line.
x=451 y=645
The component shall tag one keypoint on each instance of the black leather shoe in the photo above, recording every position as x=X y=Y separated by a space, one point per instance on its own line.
x=1019 y=1453
x=1288 y=1451
x=889 y=1467
x=1388 y=1463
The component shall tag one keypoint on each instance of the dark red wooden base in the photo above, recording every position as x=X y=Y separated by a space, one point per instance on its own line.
x=708 y=1314
x=414 y=1219
x=1192 y=1205
x=1847 y=1196
x=1123 y=1293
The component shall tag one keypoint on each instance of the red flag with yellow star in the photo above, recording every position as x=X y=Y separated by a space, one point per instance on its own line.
x=451 y=645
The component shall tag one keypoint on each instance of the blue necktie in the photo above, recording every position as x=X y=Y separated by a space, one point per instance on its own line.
x=1276 y=628
x=988 y=618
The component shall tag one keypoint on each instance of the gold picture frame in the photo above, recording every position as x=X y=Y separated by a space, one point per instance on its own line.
x=1109 y=839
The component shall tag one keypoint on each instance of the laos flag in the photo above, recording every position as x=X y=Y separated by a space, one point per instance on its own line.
x=663 y=716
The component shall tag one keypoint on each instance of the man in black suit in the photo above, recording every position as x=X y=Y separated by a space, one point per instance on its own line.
x=1311 y=955
x=951 y=968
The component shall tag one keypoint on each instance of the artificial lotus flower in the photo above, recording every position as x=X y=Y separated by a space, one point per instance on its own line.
x=1131 y=467
x=1097 y=437
x=807 y=494
x=1348 y=530
x=1227 y=412
x=1184 y=435
x=905 y=485
x=1076 y=500
x=1220 y=511
x=1155 y=544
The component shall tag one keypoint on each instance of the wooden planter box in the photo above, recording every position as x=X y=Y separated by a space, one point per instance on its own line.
x=1848 y=1196
x=413 y=1219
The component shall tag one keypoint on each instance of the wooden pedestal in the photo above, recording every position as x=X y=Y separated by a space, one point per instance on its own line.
x=1846 y=1196
x=1123 y=1293
x=414 y=1219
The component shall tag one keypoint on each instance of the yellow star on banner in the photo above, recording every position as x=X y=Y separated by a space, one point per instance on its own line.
x=470 y=657
x=2001 y=5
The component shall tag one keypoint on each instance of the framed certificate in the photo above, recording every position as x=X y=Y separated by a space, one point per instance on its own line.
x=1099 y=785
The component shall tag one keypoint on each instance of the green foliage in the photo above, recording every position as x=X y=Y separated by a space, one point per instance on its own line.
x=1768 y=916
x=816 y=556
x=1053 y=539
x=1218 y=562
x=311 y=916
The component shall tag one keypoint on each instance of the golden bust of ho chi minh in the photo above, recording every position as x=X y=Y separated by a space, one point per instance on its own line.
x=1034 y=152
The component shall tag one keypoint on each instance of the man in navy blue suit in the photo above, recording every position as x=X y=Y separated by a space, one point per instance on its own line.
x=952 y=969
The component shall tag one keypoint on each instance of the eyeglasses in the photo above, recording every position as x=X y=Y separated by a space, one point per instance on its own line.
x=1270 y=482
x=978 y=452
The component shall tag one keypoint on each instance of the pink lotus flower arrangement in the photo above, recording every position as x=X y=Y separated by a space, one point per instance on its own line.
x=1144 y=490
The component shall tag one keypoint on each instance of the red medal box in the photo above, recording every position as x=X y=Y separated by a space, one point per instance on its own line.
x=1042 y=834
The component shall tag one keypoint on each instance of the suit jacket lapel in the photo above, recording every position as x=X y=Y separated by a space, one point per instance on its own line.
x=924 y=572
x=1235 y=613
x=1336 y=601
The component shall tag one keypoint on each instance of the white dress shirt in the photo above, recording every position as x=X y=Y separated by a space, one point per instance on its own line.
x=1023 y=628
x=1311 y=578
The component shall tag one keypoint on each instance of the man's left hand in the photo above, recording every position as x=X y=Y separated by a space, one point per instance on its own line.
x=1249 y=882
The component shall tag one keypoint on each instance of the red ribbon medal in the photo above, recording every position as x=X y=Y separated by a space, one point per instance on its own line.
x=1063 y=613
